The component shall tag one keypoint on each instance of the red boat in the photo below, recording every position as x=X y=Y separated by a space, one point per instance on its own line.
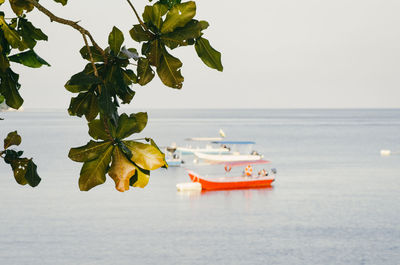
x=247 y=180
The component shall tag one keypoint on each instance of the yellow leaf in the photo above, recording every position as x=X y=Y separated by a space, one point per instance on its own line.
x=121 y=170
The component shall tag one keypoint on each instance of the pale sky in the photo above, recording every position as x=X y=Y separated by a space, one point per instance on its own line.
x=276 y=54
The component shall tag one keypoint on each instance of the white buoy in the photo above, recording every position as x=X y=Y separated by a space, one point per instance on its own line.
x=385 y=152
x=188 y=186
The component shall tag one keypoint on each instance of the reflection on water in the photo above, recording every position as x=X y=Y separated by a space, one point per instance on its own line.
x=245 y=193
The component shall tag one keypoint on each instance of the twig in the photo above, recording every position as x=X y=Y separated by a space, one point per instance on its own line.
x=137 y=16
x=67 y=22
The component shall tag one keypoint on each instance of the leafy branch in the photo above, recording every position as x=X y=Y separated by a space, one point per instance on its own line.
x=107 y=81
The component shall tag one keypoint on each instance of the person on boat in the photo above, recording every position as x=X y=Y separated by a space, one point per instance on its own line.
x=262 y=173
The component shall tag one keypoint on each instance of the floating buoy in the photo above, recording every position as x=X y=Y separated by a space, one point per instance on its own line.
x=385 y=152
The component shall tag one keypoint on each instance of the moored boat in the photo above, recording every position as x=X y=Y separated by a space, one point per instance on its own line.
x=244 y=181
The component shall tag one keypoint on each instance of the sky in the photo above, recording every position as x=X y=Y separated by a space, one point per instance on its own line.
x=276 y=54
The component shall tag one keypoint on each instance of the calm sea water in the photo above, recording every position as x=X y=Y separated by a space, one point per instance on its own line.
x=335 y=201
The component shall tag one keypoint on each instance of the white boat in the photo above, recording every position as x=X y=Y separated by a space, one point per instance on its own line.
x=232 y=157
x=206 y=150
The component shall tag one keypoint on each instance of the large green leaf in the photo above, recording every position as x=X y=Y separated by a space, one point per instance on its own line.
x=1 y=100
x=169 y=71
x=115 y=40
x=121 y=170
x=85 y=103
x=12 y=36
x=139 y=34
x=13 y=138
x=128 y=125
x=153 y=14
x=2 y=2
x=145 y=156
x=170 y=3
x=93 y=172
x=154 y=53
x=28 y=58
x=29 y=33
x=9 y=87
x=210 y=56
x=63 y=2
x=97 y=130
x=18 y=6
x=180 y=36
x=179 y=16
x=144 y=72
x=90 y=151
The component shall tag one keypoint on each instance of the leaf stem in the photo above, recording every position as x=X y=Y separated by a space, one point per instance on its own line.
x=137 y=15
x=71 y=23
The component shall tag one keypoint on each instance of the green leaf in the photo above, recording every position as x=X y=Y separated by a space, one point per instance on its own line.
x=9 y=87
x=139 y=34
x=210 y=56
x=29 y=33
x=180 y=36
x=2 y=2
x=31 y=174
x=84 y=104
x=97 y=130
x=92 y=150
x=169 y=71
x=28 y=58
x=121 y=170
x=115 y=40
x=1 y=99
x=93 y=172
x=179 y=16
x=144 y=71
x=97 y=56
x=4 y=63
x=18 y=6
x=13 y=138
x=154 y=53
x=129 y=77
x=107 y=106
x=127 y=126
x=141 y=178
x=153 y=14
x=63 y=2
x=145 y=156
x=12 y=36
x=19 y=167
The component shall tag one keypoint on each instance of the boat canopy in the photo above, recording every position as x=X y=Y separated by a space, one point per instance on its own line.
x=233 y=142
x=244 y=163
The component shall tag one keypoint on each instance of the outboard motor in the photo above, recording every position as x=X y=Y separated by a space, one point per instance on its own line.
x=273 y=170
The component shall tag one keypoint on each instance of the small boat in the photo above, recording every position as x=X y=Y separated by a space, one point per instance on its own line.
x=172 y=157
x=243 y=181
x=205 y=150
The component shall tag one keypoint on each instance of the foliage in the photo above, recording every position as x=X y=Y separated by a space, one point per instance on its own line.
x=107 y=80
x=24 y=168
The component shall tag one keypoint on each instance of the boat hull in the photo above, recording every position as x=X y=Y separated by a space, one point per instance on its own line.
x=225 y=183
x=227 y=157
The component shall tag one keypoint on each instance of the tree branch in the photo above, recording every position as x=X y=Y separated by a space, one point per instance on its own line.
x=67 y=22
x=137 y=16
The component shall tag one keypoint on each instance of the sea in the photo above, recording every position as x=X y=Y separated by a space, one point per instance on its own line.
x=335 y=200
